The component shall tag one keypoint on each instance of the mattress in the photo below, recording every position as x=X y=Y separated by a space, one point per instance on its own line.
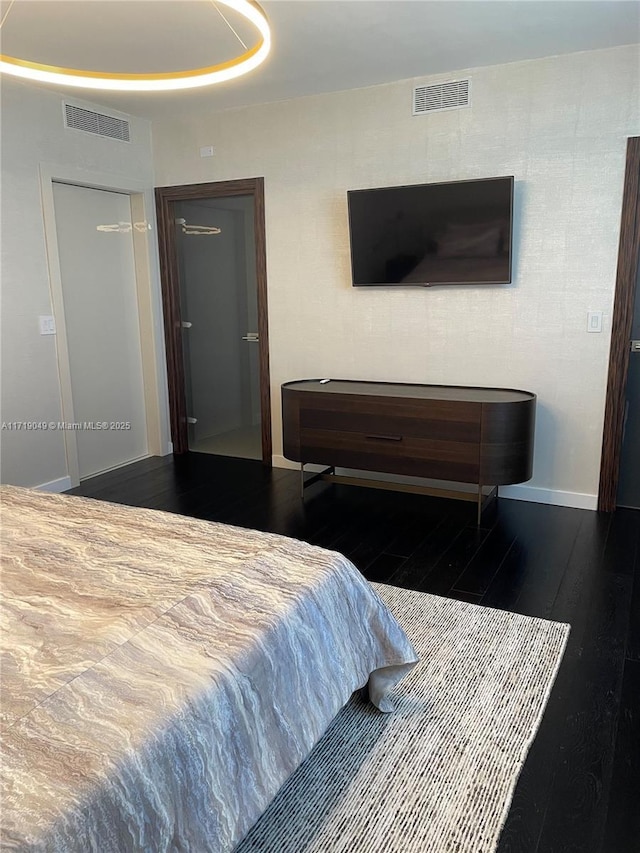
x=162 y=676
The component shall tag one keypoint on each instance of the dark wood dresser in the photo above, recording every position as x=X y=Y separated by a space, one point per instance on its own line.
x=482 y=436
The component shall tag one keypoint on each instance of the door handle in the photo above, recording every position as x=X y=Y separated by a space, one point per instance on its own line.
x=186 y=325
x=251 y=336
x=635 y=346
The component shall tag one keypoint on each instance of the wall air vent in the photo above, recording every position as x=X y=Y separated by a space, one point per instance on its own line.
x=452 y=95
x=100 y=124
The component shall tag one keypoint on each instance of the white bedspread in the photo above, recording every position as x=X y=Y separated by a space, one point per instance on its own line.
x=162 y=676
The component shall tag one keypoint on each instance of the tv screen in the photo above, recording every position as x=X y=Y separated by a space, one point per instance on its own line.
x=431 y=234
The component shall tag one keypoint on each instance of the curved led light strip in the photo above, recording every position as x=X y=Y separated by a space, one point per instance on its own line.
x=162 y=82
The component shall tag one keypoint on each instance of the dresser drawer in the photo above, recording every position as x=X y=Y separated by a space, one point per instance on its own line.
x=417 y=418
x=392 y=452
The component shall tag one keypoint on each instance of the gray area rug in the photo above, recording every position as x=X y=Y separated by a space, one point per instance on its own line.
x=439 y=773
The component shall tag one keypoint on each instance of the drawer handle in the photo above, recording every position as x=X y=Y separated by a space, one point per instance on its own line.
x=385 y=437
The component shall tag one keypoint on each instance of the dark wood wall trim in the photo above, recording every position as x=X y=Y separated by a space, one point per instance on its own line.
x=628 y=257
x=172 y=328
x=165 y=197
x=263 y=319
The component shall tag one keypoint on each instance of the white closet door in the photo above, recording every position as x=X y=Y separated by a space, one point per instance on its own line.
x=101 y=320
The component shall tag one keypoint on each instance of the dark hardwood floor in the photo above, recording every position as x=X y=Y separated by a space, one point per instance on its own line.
x=580 y=787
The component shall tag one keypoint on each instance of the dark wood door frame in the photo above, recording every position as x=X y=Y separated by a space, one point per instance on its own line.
x=165 y=197
x=628 y=257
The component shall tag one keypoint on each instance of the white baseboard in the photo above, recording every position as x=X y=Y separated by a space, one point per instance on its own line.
x=521 y=492
x=61 y=485
x=578 y=500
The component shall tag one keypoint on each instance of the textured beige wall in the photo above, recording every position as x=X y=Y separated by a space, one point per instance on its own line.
x=559 y=125
x=33 y=133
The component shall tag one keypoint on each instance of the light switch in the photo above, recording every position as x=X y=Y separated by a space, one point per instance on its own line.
x=594 y=321
x=206 y=151
x=47 y=324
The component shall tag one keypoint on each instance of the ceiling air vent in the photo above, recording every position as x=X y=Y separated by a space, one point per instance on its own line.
x=90 y=121
x=452 y=95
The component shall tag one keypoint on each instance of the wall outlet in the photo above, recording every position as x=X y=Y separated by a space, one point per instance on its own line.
x=47 y=324
x=206 y=151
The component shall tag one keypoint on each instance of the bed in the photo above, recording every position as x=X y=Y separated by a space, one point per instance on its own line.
x=163 y=676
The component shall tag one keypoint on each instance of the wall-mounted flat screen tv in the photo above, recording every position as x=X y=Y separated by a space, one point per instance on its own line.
x=458 y=232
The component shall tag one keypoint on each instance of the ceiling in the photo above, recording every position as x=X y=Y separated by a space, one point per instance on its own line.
x=318 y=45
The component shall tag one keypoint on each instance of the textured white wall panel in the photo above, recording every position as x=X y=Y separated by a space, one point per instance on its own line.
x=559 y=125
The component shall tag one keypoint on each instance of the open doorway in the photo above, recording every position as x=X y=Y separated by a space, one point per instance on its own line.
x=212 y=261
x=99 y=295
x=105 y=319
